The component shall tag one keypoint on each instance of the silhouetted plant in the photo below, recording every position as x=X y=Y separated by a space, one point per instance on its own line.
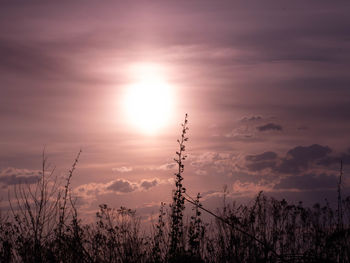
x=178 y=204
x=116 y=236
x=35 y=215
x=196 y=231
x=159 y=249
x=44 y=226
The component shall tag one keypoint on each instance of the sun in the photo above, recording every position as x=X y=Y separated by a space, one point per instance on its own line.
x=148 y=102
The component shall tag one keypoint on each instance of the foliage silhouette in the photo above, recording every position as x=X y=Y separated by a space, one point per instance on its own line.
x=43 y=225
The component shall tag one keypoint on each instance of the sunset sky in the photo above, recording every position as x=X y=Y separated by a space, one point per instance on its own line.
x=266 y=85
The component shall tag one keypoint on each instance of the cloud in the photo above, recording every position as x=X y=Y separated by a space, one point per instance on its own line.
x=312 y=152
x=146 y=184
x=258 y=166
x=308 y=182
x=299 y=158
x=122 y=186
x=201 y=172
x=12 y=176
x=329 y=160
x=123 y=169
x=302 y=128
x=167 y=166
x=163 y=167
x=266 y=160
x=263 y=168
x=266 y=156
x=248 y=187
x=345 y=157
x=119 y=186
x=87 y=193
x=269 y=127
x=251 y=119
x=247 y=129
x=29 y=59
x=241 y=133
x=208 y=158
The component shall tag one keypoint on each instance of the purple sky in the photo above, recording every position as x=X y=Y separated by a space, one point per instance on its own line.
x=265 y=84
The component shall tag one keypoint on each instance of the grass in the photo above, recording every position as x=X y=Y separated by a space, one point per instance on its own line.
x=44 y=226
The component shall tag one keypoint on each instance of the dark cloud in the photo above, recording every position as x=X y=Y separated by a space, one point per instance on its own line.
x=146 y=184
x=309 y=153
x=258 y=166
x=12 y=176
x=261 y=157
x=345 y=157
x=122 y=186
x=330 y=110
x=302 y=128
x=261 y=161
x=24 y=58
x=165 y=167
x=15 y=179
x=299 y=158
x=251 y=119
x=308 y=182
x=330 y=160
x=269 y=127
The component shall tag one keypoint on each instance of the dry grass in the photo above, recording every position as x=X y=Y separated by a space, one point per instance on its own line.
x=44 y=226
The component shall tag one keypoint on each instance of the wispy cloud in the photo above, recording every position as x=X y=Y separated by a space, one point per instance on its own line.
x=12 y=176
x=123 y=169
x=269 y=127
x=118 y=186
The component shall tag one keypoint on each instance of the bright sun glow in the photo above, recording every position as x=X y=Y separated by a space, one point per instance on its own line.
x=148 y=102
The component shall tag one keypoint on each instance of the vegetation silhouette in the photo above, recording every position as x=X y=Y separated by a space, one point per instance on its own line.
x=43 y=225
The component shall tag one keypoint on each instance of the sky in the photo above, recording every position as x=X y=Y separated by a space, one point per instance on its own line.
x=265 y=85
